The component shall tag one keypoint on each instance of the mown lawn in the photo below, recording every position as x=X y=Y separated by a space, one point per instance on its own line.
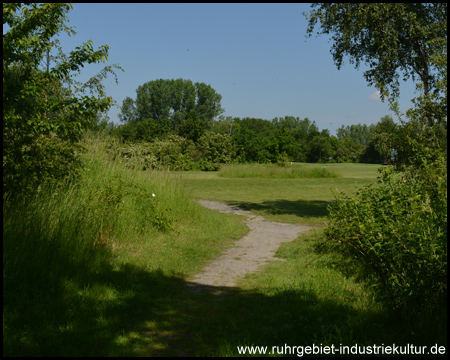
x=302 y=201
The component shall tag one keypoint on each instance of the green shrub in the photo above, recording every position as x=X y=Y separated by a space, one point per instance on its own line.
x=213 y=150
x=283 y=160
x=397 y=232
x=174 y=153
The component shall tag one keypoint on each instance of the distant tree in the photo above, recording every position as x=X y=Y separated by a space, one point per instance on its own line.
x=377 y=145
x=255 y=140
x=360 y=133
x=348 y=150
x=301 y=128
x=192 y=127
x=319 y=148
x=128 y=111
x=169 y=102
x=214 y=150
x=223 y=125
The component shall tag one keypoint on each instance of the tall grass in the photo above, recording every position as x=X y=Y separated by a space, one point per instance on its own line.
x=51 y=234
x=79 y=259
x=272 y=171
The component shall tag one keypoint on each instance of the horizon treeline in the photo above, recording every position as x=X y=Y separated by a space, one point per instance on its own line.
x=255 y=140
x=181 y=112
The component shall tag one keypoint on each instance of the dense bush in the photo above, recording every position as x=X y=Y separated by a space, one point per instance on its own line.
x=44 y=112
x=214 y=150
x=174 y=153
x=178 y=153
x=397 y=232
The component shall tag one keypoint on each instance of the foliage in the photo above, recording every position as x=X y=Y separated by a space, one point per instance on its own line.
x=192 y=127
x=283 y=160
x=42 y=115
x=421 y=140
x=397 y=231
x=169 y=102
x=253 y=139
x=174 y=152
x=319 y=149
x=374 y=152
x=214 y=150
x=264 y=141
x=348 y=150
x=392 y=39
x=360 y=133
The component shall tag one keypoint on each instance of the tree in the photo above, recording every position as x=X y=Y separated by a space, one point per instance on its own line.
x=44 y=112
x=392 y=39
x=360 y=133
x=170 y=101
x=319 y=148
x=397 y=229
x=128 y=111
x=347 y=150
x=192 y=128
x=255 y=140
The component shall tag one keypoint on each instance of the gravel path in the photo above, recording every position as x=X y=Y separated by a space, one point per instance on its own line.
x=252 y=251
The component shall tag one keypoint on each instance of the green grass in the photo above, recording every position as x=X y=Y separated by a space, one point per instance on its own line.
x=81 y=262
x=307 y=299
x=272 y=171
x=70 y=290
x=302 y=201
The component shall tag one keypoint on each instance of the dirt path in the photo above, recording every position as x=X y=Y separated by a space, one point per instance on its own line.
x=252 y=251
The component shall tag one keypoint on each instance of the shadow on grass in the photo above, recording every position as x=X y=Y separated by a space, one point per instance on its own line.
x=131 y=312
x=302 y=208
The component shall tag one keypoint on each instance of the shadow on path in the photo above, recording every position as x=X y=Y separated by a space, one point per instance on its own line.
x=302 y=208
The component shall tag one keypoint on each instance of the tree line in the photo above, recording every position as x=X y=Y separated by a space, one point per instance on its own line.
x=167 y=108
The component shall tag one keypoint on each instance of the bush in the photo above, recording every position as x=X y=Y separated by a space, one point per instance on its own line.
x=283 y=160
x=31 y=161
x=397 y=232
x=174 y=153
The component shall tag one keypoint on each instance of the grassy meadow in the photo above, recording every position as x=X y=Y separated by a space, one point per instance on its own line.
x=283 y=199
x=101 y=268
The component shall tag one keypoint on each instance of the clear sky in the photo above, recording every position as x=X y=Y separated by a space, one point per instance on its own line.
x=255 y=55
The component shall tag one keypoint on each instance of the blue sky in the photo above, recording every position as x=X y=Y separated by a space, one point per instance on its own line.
x=255 y=55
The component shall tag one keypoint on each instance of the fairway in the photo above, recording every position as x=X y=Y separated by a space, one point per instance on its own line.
x=301 y=201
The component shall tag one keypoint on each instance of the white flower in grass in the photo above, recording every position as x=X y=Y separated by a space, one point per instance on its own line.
x=153 y=194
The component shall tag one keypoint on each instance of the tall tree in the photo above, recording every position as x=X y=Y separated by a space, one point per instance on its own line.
x=360 y=133
x=172 y=101
x=44 y=111
x=392 y=39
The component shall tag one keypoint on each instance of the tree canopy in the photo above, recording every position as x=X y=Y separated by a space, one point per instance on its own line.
x=45 y=110
x=169 y=102
x=392 y=39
